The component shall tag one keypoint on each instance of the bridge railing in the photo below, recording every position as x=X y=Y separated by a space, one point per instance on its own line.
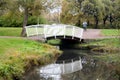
x=54 y=30
x=33 y=30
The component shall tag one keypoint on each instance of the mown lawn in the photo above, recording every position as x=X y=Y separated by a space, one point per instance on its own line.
x=10 y=31
x=110 y=32
x=18 y=55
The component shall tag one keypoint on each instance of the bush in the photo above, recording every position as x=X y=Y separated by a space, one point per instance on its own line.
x=17 y=21
x=6 y=21
x=32 y=20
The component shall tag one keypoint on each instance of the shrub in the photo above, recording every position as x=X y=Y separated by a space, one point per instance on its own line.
x=17 y=21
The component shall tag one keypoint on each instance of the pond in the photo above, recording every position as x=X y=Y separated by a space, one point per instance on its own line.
x=74 y=64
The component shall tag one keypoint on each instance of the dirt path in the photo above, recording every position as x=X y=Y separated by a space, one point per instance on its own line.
x=92 y=34
x=9 y=37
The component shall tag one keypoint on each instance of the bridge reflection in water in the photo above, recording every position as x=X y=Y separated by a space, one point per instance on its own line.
x=55 y=71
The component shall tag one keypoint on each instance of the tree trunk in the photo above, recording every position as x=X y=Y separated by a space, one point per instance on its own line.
x=23 y=33
x=88 y=22
x=104 y=20
x=78 y=23
x=96 y=21
x=111 y=20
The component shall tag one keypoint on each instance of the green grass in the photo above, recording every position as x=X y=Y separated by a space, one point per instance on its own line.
x=10 y=31
x=19 y=55
x=54 y=41
x=110 y=32
x=112 y=42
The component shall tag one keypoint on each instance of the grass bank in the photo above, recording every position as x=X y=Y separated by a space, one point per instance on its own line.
x=18 y=55
x=102 y=45
x=107 y=51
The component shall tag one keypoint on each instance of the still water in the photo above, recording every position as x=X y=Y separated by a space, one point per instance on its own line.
x=85 y=68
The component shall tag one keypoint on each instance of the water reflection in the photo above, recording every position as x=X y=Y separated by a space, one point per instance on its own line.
x=92 y=69
x=56 y=70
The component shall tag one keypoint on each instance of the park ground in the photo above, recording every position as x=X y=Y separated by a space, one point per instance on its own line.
x=17 y=54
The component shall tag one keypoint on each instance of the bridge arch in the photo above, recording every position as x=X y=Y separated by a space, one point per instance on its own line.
x=55 y=31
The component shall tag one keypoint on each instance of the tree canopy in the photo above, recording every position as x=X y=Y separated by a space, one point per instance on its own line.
x=98 y=13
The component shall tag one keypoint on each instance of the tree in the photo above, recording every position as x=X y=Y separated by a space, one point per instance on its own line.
x=117 y=13
x=53 y=10
x=94 y=8
x=29 y=7
x=108 y=11
x=70 y=12
x=3 y=4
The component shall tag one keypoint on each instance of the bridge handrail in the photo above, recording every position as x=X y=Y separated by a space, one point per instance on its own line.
x=54 y=30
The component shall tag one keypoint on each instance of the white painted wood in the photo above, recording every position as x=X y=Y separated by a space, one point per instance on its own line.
x=36 y=28
x=64 y=31
x=55 y=30
x=73 y=31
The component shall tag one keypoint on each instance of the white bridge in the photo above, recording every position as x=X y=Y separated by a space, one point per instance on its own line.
x=54 y=31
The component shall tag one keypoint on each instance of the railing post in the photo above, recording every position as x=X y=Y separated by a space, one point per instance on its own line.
x=73 y=31
x=55 y=34
x=45 y=32
x=54 y=31
x=36 y=30
x=64 y=30
x=81 y=33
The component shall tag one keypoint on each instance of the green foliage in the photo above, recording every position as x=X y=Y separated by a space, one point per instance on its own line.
x=18 y=55
x=12 y=21
x=99 y=13
x=9 y=20
x=32 y=20
x=54 y=41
